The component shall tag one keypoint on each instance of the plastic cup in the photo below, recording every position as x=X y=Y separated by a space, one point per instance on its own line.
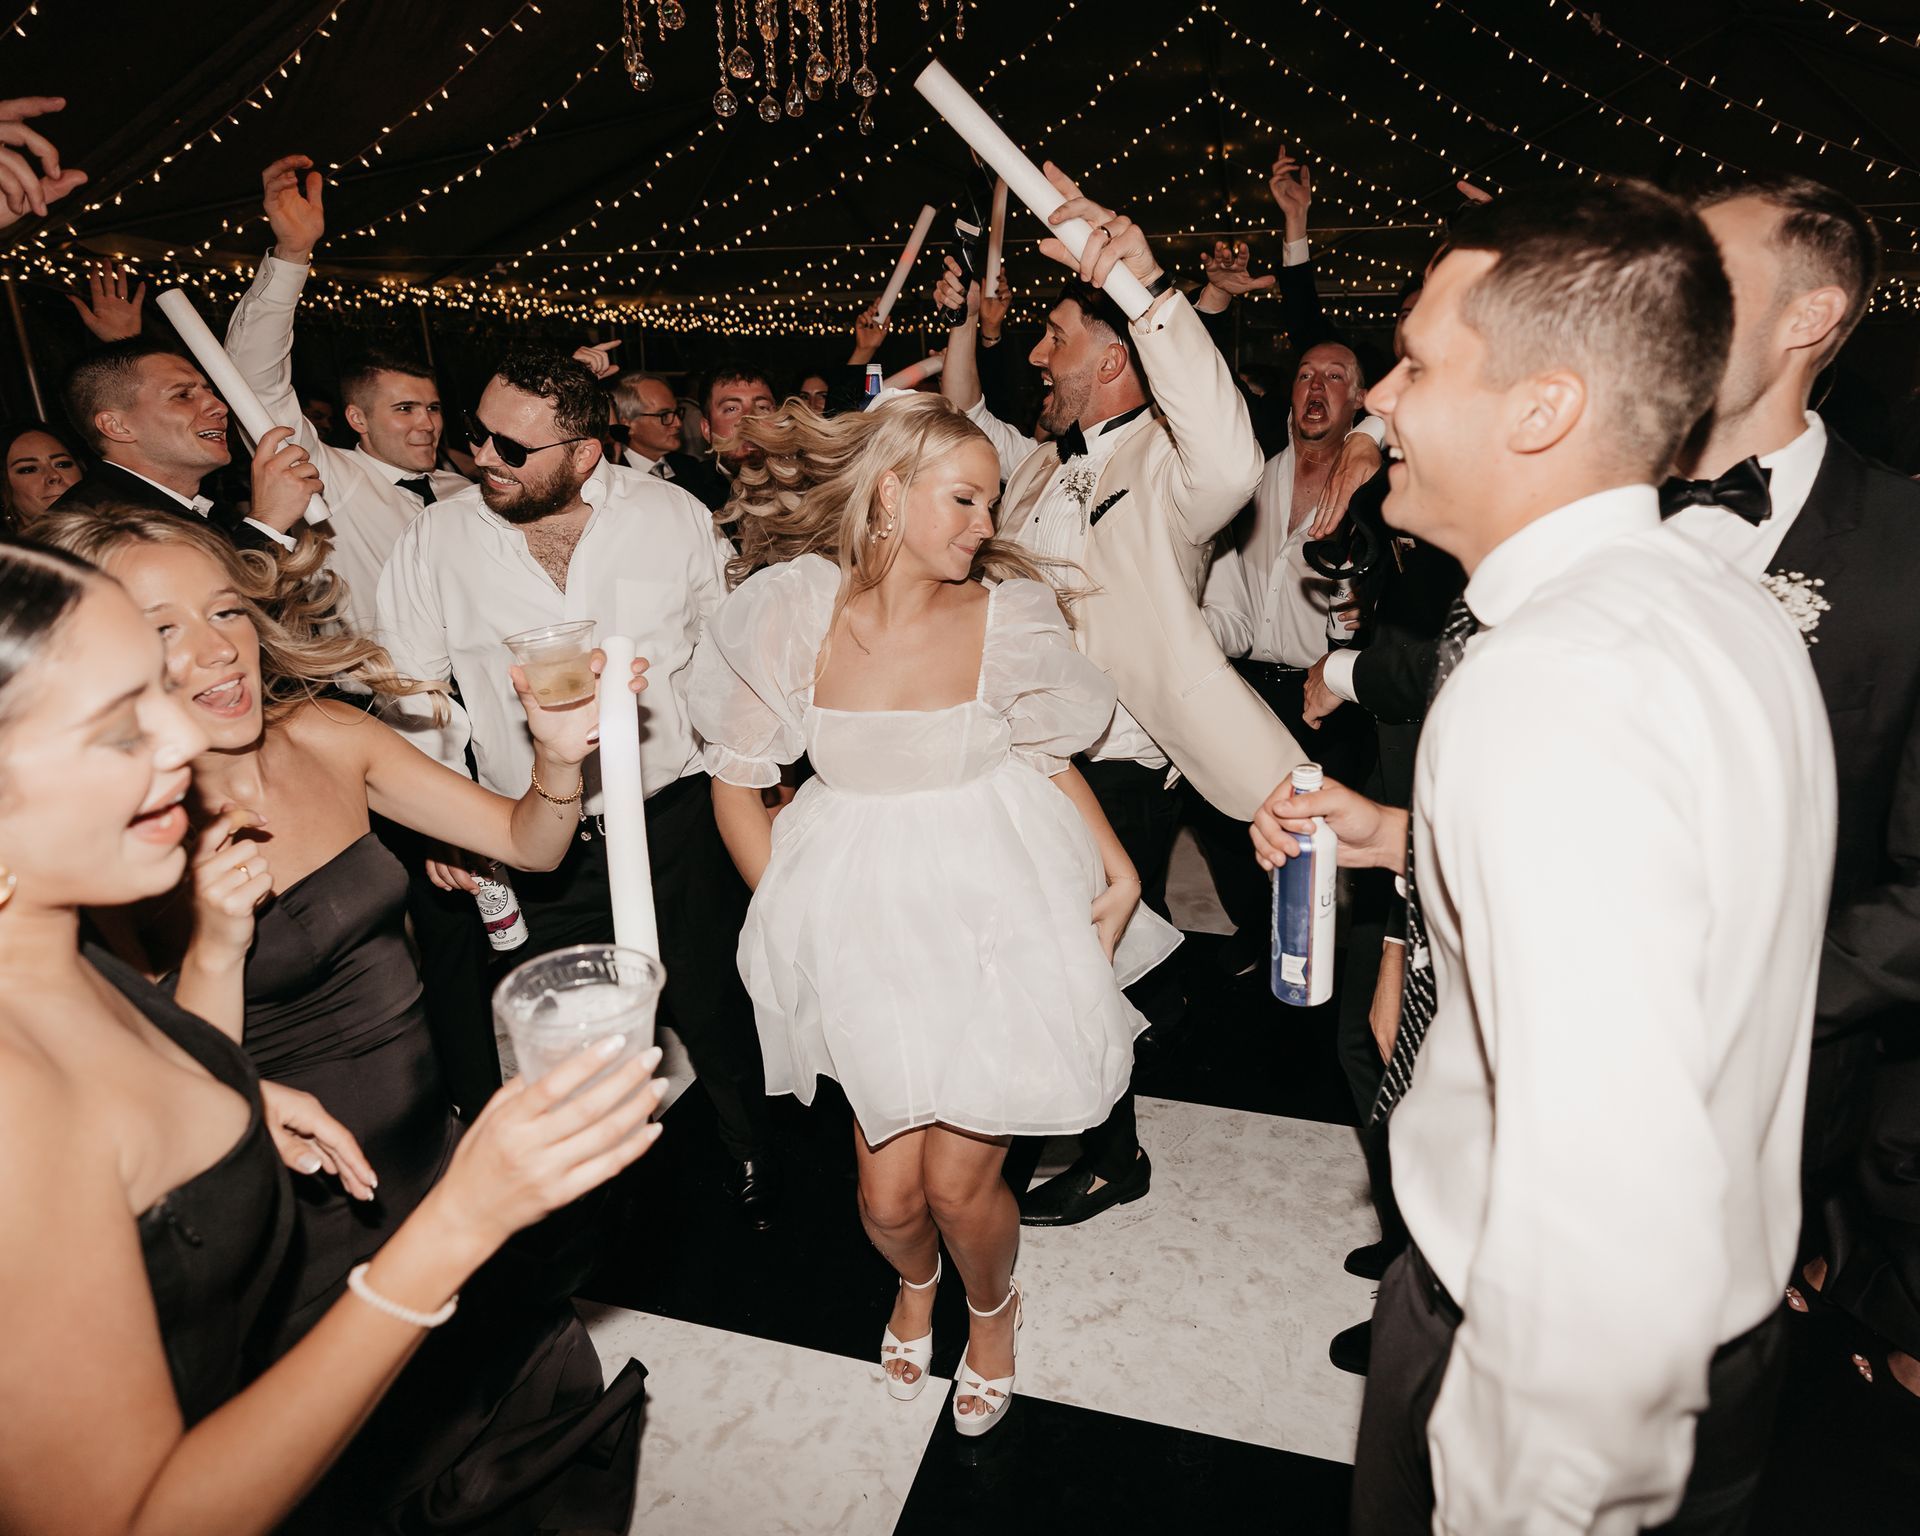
x=557 y=660
x=556 y=1005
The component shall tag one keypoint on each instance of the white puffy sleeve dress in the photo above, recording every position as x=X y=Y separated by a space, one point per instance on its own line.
x=923 y=932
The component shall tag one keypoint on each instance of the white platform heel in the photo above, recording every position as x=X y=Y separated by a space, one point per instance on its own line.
x=997 y=1394
x=917 y=1353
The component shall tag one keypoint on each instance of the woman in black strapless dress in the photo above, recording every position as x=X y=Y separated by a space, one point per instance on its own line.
x=328 y=1002
x=145 y=1210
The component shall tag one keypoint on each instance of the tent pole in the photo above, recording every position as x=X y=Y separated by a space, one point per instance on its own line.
x=26 y=349
x=426 y=332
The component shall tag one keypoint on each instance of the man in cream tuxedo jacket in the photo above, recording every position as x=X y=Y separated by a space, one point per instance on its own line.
x=1128 y=495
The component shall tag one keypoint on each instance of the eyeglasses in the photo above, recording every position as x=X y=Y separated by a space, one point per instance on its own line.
x=663 y=417
x=512 y=454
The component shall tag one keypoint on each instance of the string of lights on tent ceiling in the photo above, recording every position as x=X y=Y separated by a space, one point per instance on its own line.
x=776 y=59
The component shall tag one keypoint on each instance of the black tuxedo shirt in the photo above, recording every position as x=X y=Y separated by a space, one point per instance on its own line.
x=1859 y=533
x=108 y=485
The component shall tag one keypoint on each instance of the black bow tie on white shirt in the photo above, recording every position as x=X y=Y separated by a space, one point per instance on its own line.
x=1072 y=443
x=1742 y=490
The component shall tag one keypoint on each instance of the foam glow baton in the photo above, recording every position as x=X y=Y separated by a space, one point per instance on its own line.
x=905 y=265
x=915 y=374
x=219 y=367
x=996 y=236
x=1029 y=183
x=624 y=803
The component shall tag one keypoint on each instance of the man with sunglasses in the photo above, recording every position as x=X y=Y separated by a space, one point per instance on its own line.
x=552 y=534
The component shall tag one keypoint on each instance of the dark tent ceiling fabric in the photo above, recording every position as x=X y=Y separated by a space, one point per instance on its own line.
x=1171 y=109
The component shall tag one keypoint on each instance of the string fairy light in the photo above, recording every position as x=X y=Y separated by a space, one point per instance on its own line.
x=1711 y=85
x=377 y=145
x=18 y=26
x=1854 y=24
x=281 y=71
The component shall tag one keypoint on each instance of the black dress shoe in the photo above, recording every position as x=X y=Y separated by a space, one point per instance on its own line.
x=1070 y=1197
x=1352 y=1347
x=751 y=1186
x=1370 y=1262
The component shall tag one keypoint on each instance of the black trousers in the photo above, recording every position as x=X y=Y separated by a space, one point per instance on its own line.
x=1146 y=818
x=1413 y=1328
x=454 y=957
x=700 y=903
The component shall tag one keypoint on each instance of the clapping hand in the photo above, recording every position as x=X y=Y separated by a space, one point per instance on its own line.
x=596 y=359
x=23 y=188
x=108 y=311
x=299 y=218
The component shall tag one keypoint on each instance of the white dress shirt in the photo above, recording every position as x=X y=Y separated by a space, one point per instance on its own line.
x=1262 y=600
x=1747 y=548
x=1624 y=828
x=200 y=506
x=1057 y=530
x=369 y=507
x=649 y=564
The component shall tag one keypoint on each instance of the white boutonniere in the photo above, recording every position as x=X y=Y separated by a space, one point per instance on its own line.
x=1080 y=485
x=1799 y=595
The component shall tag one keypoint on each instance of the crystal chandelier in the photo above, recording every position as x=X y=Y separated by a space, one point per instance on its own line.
x=821 y=40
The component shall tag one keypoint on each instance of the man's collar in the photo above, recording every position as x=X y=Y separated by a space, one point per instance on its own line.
x=1525 y=561
x=1115 y=422
x=195 y=503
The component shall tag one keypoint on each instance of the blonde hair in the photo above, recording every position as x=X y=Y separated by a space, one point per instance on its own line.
x=293 y=602
x=814 y=489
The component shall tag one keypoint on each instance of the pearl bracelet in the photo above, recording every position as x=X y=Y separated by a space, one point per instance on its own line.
x=357 y=1283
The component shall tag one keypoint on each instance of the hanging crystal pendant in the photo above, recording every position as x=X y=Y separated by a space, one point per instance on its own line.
x=672 y=15
x=796 y=97
x=740 y=63
x=866 y=115
x=767 y=19
x=865 y=82
x=819 y=71
x=641 y=76
x=769 y=108
x=725 y=103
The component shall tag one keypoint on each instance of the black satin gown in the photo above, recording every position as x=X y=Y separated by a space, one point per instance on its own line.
x=214 y=1245
x=500 y=1423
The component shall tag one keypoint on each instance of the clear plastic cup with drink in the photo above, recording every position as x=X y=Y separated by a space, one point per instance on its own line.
x=556 y=1005
x=557 y=660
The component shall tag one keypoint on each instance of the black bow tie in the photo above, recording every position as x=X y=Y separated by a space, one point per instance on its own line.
x=1742 y=490
x=420 y=485
x=1072 y=443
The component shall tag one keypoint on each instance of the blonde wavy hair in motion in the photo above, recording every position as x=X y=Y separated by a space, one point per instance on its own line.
x=293 y=601
x=815 y=490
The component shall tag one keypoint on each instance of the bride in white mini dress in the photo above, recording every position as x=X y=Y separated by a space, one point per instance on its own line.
x=942 y=920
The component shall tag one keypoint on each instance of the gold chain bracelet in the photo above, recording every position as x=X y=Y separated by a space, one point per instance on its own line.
x=578 y=790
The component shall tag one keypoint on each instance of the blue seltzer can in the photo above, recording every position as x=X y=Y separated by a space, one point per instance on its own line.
x=1303 y=909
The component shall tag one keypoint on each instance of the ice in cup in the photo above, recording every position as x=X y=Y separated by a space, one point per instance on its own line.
x=556 y=1005
x=557 y=660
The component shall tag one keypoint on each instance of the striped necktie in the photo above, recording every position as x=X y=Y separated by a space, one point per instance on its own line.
x=1417 y=990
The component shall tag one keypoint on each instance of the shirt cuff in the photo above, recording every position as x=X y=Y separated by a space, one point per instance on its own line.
x=1338 y=674
x=1373 y=427
x=285 y=540
x=285 y=279
x=1296 y=253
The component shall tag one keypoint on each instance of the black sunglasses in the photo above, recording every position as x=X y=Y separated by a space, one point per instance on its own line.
x=512 y=454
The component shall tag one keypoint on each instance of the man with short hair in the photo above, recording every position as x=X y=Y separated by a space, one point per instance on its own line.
x=645 y=404
x=1132 y=492
x=1622 y=824
x=160 y=429
x=553 y=534
x=1788 y=502
x=391 y=401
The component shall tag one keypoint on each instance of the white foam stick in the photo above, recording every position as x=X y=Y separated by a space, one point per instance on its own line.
x=1029 y=183
x=624 y=803
x=220 y=369
x=915 y=374
x=905 y=265
x=996 y=236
